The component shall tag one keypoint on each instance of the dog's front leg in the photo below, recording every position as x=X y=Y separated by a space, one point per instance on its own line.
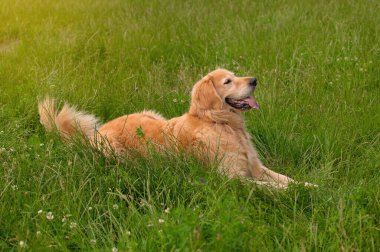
x=236 y=166
x=262 y=173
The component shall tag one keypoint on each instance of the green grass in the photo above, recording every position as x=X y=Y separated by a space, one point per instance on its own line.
x=317 y=63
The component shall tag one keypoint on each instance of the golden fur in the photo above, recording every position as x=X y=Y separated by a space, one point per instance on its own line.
x=211 y=126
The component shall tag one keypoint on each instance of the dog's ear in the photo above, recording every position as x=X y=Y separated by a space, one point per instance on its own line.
x=204 y=96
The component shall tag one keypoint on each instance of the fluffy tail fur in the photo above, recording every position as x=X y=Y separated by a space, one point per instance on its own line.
x=68 y=121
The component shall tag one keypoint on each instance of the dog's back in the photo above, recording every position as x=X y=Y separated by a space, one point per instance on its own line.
x=126 y=132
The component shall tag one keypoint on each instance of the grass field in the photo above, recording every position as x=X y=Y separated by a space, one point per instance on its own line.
x=317 y=63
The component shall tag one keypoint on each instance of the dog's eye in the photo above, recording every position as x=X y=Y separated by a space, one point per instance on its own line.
x=228 y=81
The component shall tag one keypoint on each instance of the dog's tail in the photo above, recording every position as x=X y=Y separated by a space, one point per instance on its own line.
x=68 y=121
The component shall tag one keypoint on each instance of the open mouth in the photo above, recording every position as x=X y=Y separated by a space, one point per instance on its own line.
x=243 y=104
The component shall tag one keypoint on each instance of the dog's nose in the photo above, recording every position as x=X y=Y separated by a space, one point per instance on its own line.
x=253 y=82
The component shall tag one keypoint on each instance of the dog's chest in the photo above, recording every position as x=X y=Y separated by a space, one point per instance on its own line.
x=232 y=140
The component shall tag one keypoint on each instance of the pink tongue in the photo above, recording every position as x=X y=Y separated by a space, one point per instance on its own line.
x=252 y=102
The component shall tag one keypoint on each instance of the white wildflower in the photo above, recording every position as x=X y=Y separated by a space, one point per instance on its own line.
x=22 y=244
x=167 y=210
x=115 y=206
x=93 y=241
x=49 y=216
x=40 y=211
x=73 y=225
x=114 y=249
x=161 y=221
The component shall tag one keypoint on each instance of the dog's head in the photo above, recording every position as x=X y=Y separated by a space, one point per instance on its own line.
x=222 y=90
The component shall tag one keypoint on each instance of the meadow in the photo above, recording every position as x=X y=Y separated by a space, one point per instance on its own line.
x=317 y=64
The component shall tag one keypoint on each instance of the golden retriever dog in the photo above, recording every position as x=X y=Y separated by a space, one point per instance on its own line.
x=213 y=128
